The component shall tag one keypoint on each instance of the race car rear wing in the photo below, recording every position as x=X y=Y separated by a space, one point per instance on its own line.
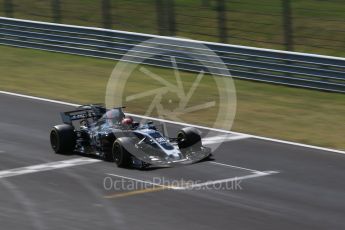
x=94 y=112
x=83 y=112
x=68 y=117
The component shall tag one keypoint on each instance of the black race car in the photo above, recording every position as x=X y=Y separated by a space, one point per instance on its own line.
x=113 y=136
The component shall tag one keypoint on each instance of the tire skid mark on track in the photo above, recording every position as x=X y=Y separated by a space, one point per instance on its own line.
x=134 y=192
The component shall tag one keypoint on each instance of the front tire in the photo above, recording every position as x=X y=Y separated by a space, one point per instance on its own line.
x=189 y=137
x=63 y=139
x=121 y=156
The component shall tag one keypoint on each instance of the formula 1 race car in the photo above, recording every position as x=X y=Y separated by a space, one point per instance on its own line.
x=113 y=136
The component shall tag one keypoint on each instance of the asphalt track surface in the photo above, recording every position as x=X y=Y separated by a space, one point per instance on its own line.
x=282 y=187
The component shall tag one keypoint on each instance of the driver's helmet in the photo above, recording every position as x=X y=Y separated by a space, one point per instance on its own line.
x=113 y=116
x=127 y=121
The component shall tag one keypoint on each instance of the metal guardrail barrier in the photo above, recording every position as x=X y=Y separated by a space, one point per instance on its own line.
x=272 y=66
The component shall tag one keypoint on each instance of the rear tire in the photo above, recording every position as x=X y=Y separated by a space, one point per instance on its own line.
x=121 y=156
x=63 y=139
x=189 y=137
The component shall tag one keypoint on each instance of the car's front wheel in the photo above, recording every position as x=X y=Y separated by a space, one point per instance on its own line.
x=189 y=137
x=121 y=156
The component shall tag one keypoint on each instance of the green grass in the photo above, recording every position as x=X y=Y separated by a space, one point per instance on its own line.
x=318 y=26
x=294 y=114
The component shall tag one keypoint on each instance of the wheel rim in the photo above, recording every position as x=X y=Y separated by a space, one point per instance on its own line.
x=180 y=137
x=116 y=153
x=54 y=140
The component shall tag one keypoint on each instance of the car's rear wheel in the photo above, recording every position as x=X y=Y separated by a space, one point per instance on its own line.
x=121 y=156
x=189 y=137
x=63 y=139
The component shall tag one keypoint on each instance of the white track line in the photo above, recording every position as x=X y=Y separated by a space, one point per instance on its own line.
x=221 y=181
x=222 y=138
x=242 y=134
x=38 y=98
x=185 y=124
x=234 y=166
x=46 y=167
